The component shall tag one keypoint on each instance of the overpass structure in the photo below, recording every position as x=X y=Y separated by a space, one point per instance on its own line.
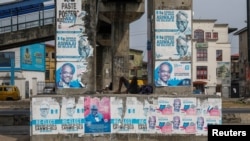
x=25 y=22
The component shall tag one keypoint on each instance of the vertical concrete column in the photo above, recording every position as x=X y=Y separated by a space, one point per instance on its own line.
x=34 y=86
x=120 y=51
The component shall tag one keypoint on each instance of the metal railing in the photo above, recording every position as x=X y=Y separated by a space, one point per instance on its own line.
x=25 y=21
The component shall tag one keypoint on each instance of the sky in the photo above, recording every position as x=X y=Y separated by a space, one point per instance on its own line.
x=231 y=12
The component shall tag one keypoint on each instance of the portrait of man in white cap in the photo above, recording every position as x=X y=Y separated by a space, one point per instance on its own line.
x=94 y=116
x=44 y=109
x=182 y=22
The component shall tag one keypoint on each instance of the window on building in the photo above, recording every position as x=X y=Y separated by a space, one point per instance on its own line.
x=53 y=55
x=199 y=35
x=201 y=72
x=47 y=55
x=219 y=55
x=47 y=75
x=131 y=57
x=208 y=35
x=215 y=35
x=202 y=54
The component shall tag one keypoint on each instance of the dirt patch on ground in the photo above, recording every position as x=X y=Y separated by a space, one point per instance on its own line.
x=235 y=104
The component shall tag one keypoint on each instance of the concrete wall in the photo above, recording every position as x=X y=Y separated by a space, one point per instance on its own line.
x=116 y=136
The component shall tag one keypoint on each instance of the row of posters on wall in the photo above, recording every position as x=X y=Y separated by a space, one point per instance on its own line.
x=87 y=115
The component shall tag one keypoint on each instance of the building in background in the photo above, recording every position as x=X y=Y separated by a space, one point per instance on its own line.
x=211 y=57
x=244 y=71
x=50 y=64
x=29 y=64
x=235 y=93
x=137 y=67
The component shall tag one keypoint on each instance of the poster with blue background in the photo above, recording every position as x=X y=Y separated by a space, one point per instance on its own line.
x=172 y=73
x=33 y=57
x=97 y=115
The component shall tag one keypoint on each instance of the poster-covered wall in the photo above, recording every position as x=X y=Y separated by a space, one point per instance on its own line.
x=72 y=43
x=173 y=48
x=107 y=115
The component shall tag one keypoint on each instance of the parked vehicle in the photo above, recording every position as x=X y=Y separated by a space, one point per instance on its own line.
x=8 y=92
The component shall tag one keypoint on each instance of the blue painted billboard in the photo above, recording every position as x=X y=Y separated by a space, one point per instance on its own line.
x=33 y=57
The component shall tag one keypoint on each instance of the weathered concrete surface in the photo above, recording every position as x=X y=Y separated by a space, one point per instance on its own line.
x=14 y=137
x=27 y=36
x=121 y=137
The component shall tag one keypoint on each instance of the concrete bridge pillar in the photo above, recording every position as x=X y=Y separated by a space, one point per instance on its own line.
x=120 y=14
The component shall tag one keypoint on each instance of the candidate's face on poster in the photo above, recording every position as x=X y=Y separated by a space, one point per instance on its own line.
x=44 y=109
x=200 y=123
x=177 y=105
x=164 y=72
x=176 y=122
x=94 y=112
x=70 y=108
x=152 y=122
x=67 y=74
x=181 y=47
x=181 y=21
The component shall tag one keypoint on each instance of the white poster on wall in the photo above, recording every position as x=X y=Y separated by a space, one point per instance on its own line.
x=45 y=115
x=72 y=115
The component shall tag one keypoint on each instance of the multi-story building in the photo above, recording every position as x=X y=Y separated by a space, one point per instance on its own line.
x=244 y=70
x=211 y=57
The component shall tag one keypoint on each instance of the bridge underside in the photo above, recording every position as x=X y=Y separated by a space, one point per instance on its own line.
x=27 y=36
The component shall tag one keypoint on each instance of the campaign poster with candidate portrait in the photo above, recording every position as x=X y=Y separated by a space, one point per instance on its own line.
x=33 y=57
x=117 y=112
x=126 y=116
x=146 y=109
x=209 y=107
x=172 y=73
x=173 y=21
x=45 y=116
x=73 y=47
x=69 y=74
x=183 y=124
x=188 y=106
x=202 y=123
x=164 y=124
x=172 y=47
x=165 y=106
x=72 y=42
x=72 y=115
x=97 y=115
